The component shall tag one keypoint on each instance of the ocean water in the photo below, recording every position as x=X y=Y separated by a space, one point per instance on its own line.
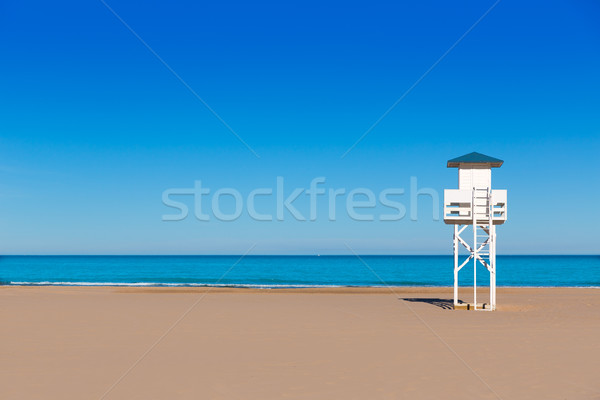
x=292 y=271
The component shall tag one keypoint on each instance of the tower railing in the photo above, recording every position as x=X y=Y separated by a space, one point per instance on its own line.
x=459 y=206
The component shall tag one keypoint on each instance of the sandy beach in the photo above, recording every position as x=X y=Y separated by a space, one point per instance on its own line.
x=183 y=343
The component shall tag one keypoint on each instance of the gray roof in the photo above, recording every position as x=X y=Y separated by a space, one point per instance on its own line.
x=475 y=158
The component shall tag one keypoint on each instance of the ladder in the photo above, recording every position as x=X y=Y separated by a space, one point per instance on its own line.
x=482 y=213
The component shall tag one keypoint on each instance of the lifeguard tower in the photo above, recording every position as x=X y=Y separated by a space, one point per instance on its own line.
x=475 y=203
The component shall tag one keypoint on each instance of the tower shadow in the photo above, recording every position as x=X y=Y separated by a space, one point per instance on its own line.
x=446 y=304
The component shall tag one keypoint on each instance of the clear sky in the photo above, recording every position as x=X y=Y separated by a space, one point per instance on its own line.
x=94 y=128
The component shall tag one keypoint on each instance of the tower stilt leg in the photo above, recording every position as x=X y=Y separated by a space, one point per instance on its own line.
x=474 y=266
x=455 y=249
x=493 y=262
x=474 y=250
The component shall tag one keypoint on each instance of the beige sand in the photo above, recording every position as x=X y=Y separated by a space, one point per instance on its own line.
x=86 y=343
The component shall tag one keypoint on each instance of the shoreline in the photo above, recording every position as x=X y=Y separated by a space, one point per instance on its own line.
x=464 y=292
x=266 y=287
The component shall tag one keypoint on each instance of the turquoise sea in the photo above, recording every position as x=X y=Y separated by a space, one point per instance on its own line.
x=292 y=271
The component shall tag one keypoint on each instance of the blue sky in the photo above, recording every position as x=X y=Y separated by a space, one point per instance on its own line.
x=93 y=127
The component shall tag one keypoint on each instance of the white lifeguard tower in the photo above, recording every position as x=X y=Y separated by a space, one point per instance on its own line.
x=475 y=203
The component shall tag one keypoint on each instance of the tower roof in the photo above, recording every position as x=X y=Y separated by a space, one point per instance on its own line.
x=475 y=158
